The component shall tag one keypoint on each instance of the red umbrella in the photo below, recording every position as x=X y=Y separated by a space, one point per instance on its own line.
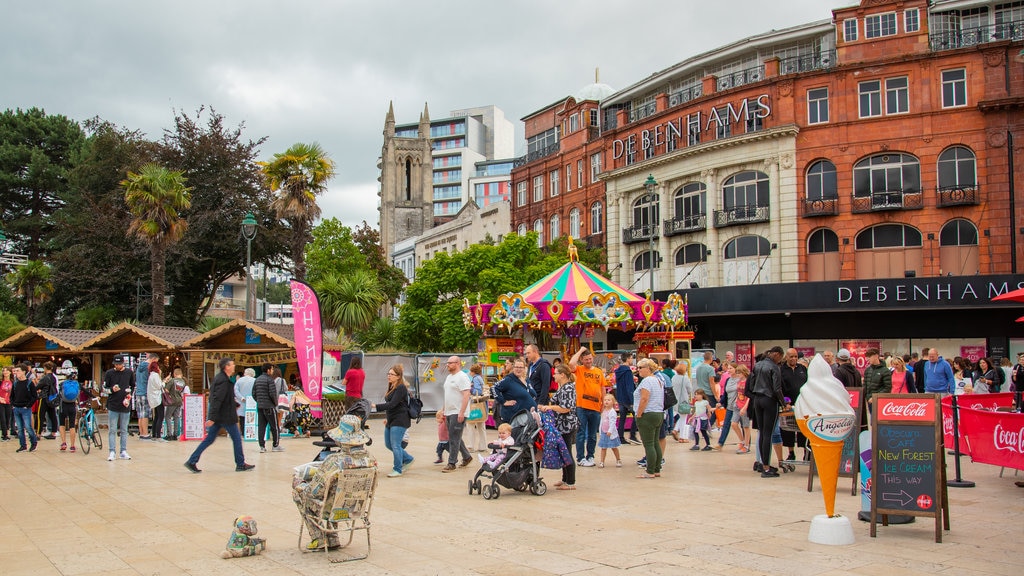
x=1021 y=319
x=1013 y=296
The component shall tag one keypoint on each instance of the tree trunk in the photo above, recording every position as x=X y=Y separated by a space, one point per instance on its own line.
x=157 y=262
x=299 y=240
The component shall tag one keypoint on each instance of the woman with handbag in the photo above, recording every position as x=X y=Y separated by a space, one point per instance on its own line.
x=396 y=408
x=477 y=410
x=562 y=404
x=513 y=394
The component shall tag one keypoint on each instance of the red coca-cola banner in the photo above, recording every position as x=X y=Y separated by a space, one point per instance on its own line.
x=982 y=402
x=987 y=436
x=908 y=409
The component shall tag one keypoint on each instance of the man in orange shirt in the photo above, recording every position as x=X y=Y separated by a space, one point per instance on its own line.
x=589 y=390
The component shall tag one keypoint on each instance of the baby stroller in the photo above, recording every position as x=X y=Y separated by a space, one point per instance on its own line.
x=360 y=408
x=520 y=470
x=298 y=421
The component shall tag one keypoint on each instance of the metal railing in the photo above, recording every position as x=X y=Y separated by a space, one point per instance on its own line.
x=888 y=200
x=821 y=207
x=741 y=215
x=958 y=195
x=820 y=61
x=952 y=39
x=642 y=111
x=536 y=155
x=736 y=79
x=639 y=233
x=685 y=224
x=685 y=95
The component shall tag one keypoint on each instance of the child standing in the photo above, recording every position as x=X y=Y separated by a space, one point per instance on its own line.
x=701 y=409
x=442 y=436
x=609 y=437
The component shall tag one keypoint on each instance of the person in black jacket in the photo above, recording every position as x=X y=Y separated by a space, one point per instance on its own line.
x=118 y=384
x=767 y=398
x=396 y=409
x=46 y=387
x=23 y=395
x=221 y=415
x=539 y=374
x=264 y=391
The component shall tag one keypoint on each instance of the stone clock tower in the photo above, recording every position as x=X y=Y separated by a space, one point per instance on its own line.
x=406 y=183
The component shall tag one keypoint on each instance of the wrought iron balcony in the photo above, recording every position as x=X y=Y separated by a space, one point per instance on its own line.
x=821 y=207
x=737 y=79
x=685 y=95
x=685 y=224
x=958 y=195
x=888 y=200
x=820 y=61
x=954 y=39
x=640 y=233
x=741 y=215
x=642 y=111
x=537 y=155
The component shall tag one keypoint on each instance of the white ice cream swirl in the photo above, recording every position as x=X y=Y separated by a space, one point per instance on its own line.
x=823 y=393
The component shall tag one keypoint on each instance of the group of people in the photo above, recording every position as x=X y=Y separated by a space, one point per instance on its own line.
x=151 y=394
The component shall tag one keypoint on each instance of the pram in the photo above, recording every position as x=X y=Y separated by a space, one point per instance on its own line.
x=520 y=470
x=299 y=418
x=360 y=408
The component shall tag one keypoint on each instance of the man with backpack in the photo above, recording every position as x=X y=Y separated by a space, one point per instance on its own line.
x=69 y=391
x=49 y=400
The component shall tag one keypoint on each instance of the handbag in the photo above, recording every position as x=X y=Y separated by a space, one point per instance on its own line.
x=167 y=400
x=670 y=398
x=477 y=410
x=282 y=402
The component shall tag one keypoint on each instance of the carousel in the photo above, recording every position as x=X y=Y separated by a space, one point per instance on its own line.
x=573 y=301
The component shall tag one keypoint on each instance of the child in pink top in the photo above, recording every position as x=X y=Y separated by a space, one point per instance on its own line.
x=442 y=435
x=609 y=437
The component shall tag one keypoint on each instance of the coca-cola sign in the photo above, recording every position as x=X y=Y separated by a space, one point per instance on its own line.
x=1008 y=439
x=911 y=409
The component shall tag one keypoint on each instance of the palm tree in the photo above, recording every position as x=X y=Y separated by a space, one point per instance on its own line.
x=155 y=197
x=349 y=302
x=297 y=176
x=32 y=282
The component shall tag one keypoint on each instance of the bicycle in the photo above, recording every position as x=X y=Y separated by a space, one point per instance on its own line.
x=88 y=428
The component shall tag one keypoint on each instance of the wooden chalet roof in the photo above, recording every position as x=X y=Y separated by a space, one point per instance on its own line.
x=232 y=336
x=34 y=340
x=126 y=337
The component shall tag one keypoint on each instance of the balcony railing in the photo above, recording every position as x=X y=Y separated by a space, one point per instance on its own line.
x=736 y=79
x=979 y=35
x=820 y=61
x=685 y=224
x=741 y=215
x=821 y=207
x=958 y=195
x=536 y=155
x=639 y=233
x=888 y=200
x=685 y=95
x=642 y=111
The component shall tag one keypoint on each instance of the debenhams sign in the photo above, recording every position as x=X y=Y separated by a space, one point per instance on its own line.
x=941 y=290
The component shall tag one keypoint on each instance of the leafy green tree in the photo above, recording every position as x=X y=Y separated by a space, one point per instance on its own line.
x=297 y=177
x=31 y=281
x=94 y=317
x=349 y=302
x=9 y=325
x=332 y=251
x=156 y=197
x=276 y=293
x=390 y=279
x=36 y=151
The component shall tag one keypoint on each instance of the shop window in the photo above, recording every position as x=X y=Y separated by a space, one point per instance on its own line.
x=823 y=261
x=958 y=248
x=745 y=261
x=888 y=251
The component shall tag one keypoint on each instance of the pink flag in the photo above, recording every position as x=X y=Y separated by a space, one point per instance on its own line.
x=308 y=342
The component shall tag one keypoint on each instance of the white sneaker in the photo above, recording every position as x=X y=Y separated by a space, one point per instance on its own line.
x=111 y=457
x=588 y=463
x=124 y=455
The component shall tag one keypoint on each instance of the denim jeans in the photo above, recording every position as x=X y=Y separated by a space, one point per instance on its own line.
x=590 y=422
x=118 y=422
x=393 y=441
x=211 y=437
x=23 y=416
x=726 y=424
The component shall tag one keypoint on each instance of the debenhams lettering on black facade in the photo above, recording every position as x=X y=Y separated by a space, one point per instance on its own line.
x=948 y=292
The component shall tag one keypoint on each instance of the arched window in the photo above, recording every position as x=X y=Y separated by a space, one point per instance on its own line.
x=957 y=169
x=887 y=181
x=555 y=228
x=645 y=211
x=958 y=248
x=823 y=262
x=574 y=223
x=643 y=261
x=744 y=198
x=691 y=254
x=821 y=181
x=538 y=227
x=888 y=251
x=522 y=229
x=689 y=208
x=596 y=218
x=691 y=265
x=745 y=261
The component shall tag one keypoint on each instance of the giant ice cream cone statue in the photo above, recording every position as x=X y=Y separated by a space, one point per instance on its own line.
x=825 y=417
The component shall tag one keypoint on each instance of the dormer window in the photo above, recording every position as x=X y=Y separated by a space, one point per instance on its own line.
x=878 y=25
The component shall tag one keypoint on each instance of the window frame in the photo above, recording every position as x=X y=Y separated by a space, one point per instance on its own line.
x=892 y=95
x=685 y=197
x=873 y=96
x=881 y=18
x=538 y=188
x=521 y=193
x=850 y=33
x=916 y=20
x=554 y=226
x=596 y=218
x=814 y=103
x=873 y=229
x=554 y=178
x=822 y=176
x=575 y=223
x=867 y=165
x=595 y=166
x=825 y=241
x=538 y=227
x=681 y=258
x=638 y=261
x=733 y=187
x=957 y=163
x=953 y=84
x=762 y=243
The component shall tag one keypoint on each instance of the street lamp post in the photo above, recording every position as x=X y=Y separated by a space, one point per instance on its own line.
x=650 y=185
x=248 y=232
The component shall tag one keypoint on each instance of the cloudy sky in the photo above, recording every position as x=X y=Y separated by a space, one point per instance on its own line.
x=324 y=71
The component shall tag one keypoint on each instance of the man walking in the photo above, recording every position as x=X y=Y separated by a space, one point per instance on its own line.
x=118 y=384
x=540 y=374
x=265 y=392
x=456 y=410
x=221 y=416
x=23 y=395
x=705 y=375
x=589 y=389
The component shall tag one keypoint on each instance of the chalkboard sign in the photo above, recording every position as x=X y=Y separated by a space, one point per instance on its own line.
x=908 y=474
x=849 y=460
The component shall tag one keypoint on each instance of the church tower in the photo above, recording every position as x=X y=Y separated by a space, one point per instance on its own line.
x=406 y=182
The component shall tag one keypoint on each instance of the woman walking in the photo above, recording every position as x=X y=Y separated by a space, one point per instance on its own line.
x=649 y=403
x=563 y=406
x=396 y=408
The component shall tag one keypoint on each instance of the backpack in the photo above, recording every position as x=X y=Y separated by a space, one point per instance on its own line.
x=415 y=408
x=69 y=391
